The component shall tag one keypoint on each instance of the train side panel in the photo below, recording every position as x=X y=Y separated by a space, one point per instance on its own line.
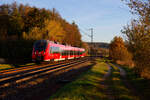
x=43 y=50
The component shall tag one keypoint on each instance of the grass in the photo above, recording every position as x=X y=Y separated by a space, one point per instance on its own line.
x=139 y=83
x=86 y=87
x=117 y=86
x=91 y=85
x=9 y=66
x=27 y=64
x=6 y=66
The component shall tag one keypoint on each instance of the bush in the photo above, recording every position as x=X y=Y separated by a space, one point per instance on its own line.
x=18 y=49
x=119 y=53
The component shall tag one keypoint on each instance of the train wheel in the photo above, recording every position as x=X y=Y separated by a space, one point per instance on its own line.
x=52 y=61
x=37 y=62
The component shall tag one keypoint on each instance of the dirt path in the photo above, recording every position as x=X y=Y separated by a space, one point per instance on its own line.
x=128 y=84
x=108 y=74
x=107 y=77
x=108 y=80
x=116 y=85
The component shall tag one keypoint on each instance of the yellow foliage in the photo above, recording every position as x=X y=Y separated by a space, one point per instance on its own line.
x=34 y=34
x=118 y=51
x=54 y=30
x=138 y=35
x=24 y=36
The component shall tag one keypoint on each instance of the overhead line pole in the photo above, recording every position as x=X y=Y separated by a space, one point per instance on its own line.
x=91 y=35
x=91 y=42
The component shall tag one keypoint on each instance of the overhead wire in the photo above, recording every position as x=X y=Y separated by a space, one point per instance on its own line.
x=85 y=33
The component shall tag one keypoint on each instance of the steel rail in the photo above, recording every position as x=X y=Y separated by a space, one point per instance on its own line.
x=19 y=78
x=27 y=69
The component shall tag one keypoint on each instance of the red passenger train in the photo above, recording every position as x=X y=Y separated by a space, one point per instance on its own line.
x=45 y=50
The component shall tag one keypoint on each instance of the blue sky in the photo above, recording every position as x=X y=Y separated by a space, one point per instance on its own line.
x=106 y=17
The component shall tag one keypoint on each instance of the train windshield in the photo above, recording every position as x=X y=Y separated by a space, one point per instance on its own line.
x=40 y=45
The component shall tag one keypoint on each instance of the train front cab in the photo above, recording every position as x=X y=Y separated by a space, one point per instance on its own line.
x=40 y=50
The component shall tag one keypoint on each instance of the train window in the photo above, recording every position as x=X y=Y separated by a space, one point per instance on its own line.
x=68 y=52
x=71 y=53
x=75 y=53
x=50 y=51
x=60 y=51
x=55 y=49
x=40 y=45
x=64 y=52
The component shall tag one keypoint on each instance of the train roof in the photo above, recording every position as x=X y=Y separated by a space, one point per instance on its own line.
x=66 y=47
x=63 y=47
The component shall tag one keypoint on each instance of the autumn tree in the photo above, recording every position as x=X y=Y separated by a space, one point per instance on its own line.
x=138 y=35
x=54 y=31
x=103 y=52
x=4 y=21
x=32 y=23
x=16 y=21
x=118 y=51
x=73 y=36
x=22 y=24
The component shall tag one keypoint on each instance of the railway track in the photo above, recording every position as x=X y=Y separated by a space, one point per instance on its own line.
x=15 y=71
x=17 y=76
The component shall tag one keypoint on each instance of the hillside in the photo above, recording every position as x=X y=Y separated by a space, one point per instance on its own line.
x=99 y=44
